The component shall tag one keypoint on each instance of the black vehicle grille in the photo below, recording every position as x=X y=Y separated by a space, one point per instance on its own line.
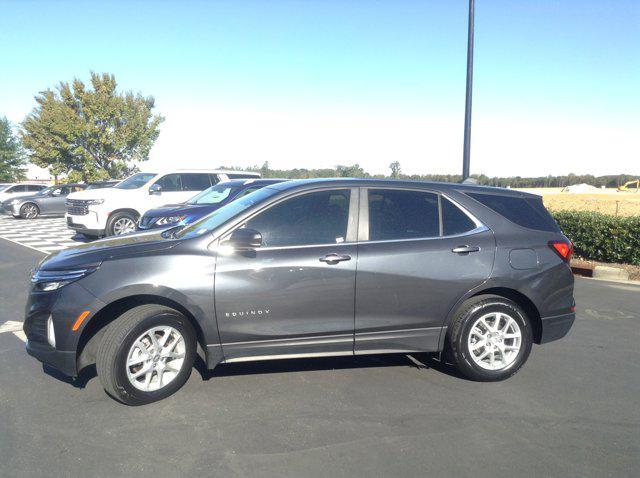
x=77 y=207
x=35 y=328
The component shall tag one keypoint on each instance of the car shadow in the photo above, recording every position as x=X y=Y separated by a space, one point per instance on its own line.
x=85 y=375
x=417 y=361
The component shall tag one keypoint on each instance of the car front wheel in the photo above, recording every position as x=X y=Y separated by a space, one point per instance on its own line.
x=121 y=223
x=146 y=354
x=29 y=211
x=490 y=338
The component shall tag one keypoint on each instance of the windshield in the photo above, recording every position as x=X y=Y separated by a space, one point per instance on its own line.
x=217 y=218
x=214 y=195
x=136 y=181
x=4 y=186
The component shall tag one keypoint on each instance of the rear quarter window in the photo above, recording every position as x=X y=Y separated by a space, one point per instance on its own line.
x=524 y=211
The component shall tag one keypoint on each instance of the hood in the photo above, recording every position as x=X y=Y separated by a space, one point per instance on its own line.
x=102 y=193
x=107 y=249
x=182 y=210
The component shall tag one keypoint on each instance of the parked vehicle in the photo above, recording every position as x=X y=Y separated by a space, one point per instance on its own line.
x=633 y=186
x=14 y=190
x=115 y=211
x=47 y=202
x=202 y=204
x=102 y=184
x=310 y=268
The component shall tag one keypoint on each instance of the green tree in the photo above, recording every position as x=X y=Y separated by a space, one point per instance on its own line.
x=90 y=133
x=395 y=169
x=12 y=160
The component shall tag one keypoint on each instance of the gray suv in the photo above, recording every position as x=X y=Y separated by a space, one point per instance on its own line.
x=305 y=269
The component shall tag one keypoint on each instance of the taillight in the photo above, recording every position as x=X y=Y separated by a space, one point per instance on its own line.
x=563 y=249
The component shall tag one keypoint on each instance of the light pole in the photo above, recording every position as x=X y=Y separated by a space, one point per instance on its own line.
x=466 y=154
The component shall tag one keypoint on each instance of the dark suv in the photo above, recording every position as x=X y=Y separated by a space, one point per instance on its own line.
x=305 y=269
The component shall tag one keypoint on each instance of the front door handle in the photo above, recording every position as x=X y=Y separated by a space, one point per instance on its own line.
x=334 y=258
x=465 y=249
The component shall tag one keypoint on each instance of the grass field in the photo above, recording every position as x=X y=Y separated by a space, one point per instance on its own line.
x=606 y=201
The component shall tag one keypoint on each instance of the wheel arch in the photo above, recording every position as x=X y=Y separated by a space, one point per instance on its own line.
x=514 y=295
x=92 y=333
x=127 y=210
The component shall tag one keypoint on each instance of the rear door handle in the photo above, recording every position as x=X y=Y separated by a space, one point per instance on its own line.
x=465 y=249
x=335 y=258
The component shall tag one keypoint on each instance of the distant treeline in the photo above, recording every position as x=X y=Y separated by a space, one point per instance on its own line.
x=356 y=171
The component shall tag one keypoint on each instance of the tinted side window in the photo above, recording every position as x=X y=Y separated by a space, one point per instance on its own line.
x=526 y=212
x=170 y=183
x=17 y=189
x=313 y=218
x=454 y=220
x=214 y=179
x=241 y=176
x=397 y=214
x=34 y=188
x=195 y=182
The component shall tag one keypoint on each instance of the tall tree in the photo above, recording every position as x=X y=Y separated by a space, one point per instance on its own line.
x=12 y=160
x=395 y=169
x=90 y=133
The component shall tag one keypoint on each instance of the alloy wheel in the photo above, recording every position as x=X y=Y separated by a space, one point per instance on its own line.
x=494 y=341
x=156 y=358
x=30 y=211
x=124 y=225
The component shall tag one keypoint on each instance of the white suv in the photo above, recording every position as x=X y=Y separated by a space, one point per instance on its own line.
x=115 y=211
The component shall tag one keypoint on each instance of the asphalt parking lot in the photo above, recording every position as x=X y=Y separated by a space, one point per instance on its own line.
x=574 y=409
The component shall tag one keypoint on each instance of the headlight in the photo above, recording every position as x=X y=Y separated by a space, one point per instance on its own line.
x=94 y=202
x=53 y=280
x=169 y=220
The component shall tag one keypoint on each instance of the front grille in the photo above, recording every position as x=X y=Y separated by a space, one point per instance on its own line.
x=76 y=207
x=35 y=328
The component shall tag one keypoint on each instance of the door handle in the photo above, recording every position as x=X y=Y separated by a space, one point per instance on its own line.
x=465 y=249
x=334 y=258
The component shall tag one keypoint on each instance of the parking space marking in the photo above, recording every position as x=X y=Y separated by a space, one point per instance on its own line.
x=42 y=234
x=13 y=327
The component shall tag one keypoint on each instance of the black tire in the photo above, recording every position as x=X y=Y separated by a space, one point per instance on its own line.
x=31 y=206
x=460 y=330
x=113 y=220
x=119 y=337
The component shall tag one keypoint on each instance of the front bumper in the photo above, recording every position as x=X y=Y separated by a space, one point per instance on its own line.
x=10 y=210
x=61 y=360
x=85 y=224
x=556 y=327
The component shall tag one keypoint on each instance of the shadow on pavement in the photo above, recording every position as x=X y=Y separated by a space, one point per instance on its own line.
x=85 y=375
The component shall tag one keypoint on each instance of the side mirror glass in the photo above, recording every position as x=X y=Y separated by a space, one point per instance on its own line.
x=155 y=189
x=57 y=192
x=243 y=239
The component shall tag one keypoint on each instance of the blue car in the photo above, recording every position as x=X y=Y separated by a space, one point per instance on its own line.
x=202 y=204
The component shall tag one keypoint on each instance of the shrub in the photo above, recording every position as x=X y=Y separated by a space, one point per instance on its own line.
x=602 y=237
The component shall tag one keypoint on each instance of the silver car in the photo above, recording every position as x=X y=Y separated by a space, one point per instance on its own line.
x=47 y=202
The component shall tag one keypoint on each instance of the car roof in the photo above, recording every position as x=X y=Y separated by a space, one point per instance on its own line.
x=206 y=171
x=250 y=181
x=433 y=185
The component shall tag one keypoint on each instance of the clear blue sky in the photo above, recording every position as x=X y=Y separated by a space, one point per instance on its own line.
x=380 y=64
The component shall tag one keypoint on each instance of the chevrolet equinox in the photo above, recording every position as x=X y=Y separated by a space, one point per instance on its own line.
x=305 y=269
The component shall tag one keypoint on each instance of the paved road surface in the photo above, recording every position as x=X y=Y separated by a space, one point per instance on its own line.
x=574 y=410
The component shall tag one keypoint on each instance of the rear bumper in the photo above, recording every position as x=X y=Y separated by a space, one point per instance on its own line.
x=556 y=327
x=61 y=360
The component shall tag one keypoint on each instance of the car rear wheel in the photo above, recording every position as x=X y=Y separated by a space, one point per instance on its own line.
x=490 y=339
x=146 y=354
x=121 y=223
x=29 y=211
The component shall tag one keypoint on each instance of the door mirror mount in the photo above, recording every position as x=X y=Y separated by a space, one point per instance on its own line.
x=155 y=189
x=244 y=239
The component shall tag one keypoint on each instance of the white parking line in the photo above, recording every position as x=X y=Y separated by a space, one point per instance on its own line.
x=41 y=234
x=13 y=327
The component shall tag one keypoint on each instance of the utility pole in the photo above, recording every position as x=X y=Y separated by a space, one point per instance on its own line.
x=466 y=154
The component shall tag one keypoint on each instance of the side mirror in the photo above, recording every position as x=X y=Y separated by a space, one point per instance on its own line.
x=155 y=189
x=56 y=193
x=243 y=239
